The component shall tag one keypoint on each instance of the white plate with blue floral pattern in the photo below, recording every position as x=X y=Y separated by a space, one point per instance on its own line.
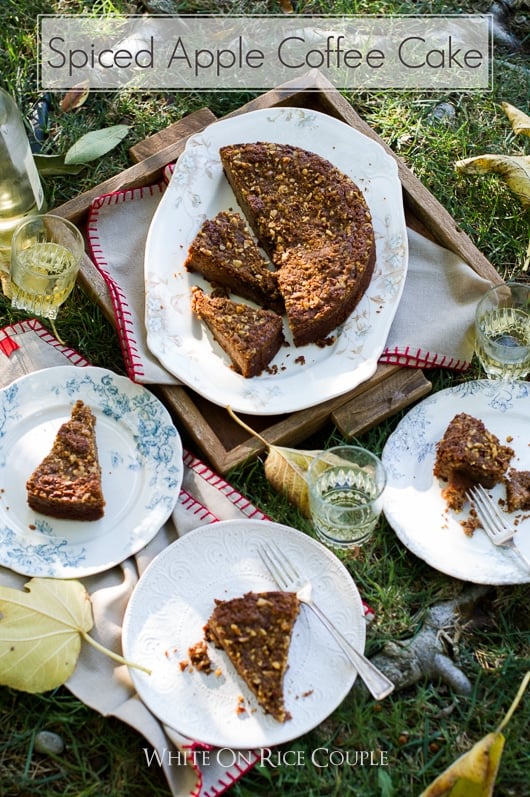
x=413 y=502
x=140 y=454
x=298 y=377
x=174 y=599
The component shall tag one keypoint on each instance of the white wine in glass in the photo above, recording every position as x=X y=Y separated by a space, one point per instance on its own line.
x=45 y=259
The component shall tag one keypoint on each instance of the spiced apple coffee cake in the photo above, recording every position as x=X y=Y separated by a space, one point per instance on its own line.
x=468 y=454
x=225 y=253
x=315 y=225
x=255 y=632
x=249 y=336
x=67 y=483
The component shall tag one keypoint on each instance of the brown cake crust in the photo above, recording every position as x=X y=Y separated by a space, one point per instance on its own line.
x=226 y=254
x=67 y=483
x=315 y=225
x=249 y=336
x=255 y=632
x=467 y=454
x=518 y=490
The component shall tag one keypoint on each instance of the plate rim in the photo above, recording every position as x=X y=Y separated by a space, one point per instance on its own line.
x=486 y=389
x=241 y=394
x=239 y=524
x=39 y=564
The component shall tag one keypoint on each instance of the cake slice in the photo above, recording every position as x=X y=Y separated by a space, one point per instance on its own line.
x=67 y=483
x=314 y=223
x=225 y=253
x=249 y=336
x=255 y=632
x=468 y=454
x=518 y=490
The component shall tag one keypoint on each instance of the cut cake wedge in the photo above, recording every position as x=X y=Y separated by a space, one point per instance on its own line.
x=255 y=632
x=225 y=253
x=468 y=454
x=67 y=483
x=249 y=336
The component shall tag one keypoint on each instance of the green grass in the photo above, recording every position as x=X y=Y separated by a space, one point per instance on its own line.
x=426 y=726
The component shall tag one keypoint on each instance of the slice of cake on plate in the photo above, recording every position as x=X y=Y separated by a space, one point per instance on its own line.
x=468 y=454
x=315 y=225
x=67 y=483
x=225 y=253
x=518 y=490
x=255 y=632
x=249 y=336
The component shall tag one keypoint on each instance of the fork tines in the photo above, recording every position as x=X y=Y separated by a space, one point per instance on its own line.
x=489 y=514
x=280 y=568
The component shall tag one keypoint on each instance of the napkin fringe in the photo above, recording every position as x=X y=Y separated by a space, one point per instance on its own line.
x=243 y=504
x=130 y=350
x=417 y=358
x=34 y=325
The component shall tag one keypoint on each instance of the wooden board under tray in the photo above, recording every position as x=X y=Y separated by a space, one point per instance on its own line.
x=209 y=427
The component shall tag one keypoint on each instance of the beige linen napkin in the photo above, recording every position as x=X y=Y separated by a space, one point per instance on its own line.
x=98 y=681
x=433 y=326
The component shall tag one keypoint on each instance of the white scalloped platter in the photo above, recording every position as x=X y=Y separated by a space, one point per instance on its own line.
x=140 y=455
x=299 y=377
x=413 y=502
x=172 y=602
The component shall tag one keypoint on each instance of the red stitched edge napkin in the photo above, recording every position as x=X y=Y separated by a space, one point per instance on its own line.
x=433 y=326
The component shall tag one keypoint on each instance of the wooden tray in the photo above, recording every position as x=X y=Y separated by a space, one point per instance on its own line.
x=209 y=427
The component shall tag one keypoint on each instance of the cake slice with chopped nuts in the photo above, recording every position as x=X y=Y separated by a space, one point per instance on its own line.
x=255 y=632
x=67 y=483
x=314 y=223
x=225 y=253
x=250 y=336
x=468 y=454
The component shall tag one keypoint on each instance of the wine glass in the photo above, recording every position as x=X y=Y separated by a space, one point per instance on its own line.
x=46 y=252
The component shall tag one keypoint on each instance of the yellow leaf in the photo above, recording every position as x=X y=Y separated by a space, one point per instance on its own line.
x=474 y=773
x=514 y=169
x=40 y=633
x=519 y=121
x=285 y=468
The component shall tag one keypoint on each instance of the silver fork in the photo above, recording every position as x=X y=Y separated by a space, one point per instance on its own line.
x=288 y=578
x=497 y=527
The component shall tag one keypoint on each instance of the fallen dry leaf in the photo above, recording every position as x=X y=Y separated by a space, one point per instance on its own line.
x=285 y=468
x=75 y=97
x=514 y=169
x=474 y=773
x=519 y=121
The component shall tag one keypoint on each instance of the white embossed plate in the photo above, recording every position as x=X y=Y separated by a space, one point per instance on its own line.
x=413 y=502
x=173 y=600
x=307 y=375
x=140 y=455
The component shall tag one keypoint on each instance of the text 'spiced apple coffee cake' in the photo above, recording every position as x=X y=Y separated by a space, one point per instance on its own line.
x=315 y=225
x=468 y=454
x=225 y=253
x=67 y=483
x=255 y=632
x=250 y=336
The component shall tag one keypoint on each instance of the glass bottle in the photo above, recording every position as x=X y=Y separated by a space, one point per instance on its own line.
x=21 y=191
